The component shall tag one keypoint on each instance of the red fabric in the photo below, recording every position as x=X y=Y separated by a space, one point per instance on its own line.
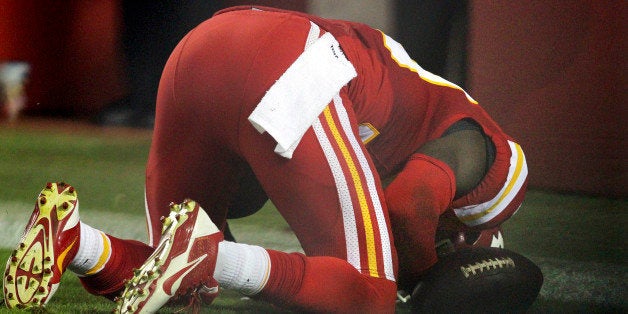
x=407 y=108
x=203 y=142
x=416 y=198
x=126 y=255
x=303 y=284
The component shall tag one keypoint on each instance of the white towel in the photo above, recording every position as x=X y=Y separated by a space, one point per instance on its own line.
x=295 y=101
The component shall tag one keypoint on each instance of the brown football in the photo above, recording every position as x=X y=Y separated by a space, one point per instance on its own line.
x=478 y=280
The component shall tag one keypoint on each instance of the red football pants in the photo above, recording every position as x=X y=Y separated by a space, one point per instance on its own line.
x=203 y=143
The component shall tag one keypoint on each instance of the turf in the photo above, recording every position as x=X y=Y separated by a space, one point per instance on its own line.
x=578 y=241
x=108 y=164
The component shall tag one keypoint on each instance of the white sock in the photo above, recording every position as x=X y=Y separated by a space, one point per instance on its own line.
x=93 y=253
x=242 y=267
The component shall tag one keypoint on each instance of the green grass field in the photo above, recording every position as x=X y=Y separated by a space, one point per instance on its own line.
x=578 y=241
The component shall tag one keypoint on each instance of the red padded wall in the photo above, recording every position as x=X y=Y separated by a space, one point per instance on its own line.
x=553 y=73
x=72 y=47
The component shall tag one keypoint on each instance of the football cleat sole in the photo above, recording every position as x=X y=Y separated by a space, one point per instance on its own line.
x=33 y=270
x=161 y=277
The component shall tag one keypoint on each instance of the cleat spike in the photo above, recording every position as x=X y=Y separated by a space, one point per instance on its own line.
x=9 y=278
x=22 y=245
x=42 y=200
x=49 y=185
x=41 y=289
x=71 y=189
x=65 y=205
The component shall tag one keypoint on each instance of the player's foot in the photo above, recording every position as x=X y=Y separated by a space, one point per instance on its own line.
x=181 y=266
x=47 y=246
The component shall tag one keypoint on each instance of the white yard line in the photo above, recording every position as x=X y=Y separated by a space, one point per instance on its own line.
x=271 y=238
x=15 y=215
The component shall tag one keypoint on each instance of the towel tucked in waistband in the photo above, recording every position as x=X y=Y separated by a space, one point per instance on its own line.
x=294 y=102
